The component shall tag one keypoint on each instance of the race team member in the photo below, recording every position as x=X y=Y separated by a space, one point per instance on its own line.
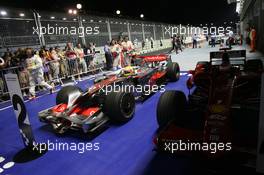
x=128 y=47
x=122 y=57
x=35 y=67
x=115 y=50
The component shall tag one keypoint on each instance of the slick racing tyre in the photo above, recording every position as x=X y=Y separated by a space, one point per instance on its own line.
x=173 y=71
x=171 y=106
x=64 y=94
x=119 y=106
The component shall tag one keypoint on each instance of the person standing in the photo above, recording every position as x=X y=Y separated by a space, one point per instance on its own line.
x=54 y=64
x=230 y=38
x=195 y=40
x=35 y=67
x=253 y=37
x=115 y=50
x=108 y=56
x=45 y=63
x=173 y=42
x=178 y=44
x=121 y=54
x=213 y=38
x=80 y=58
x=71 y=57
x=128 y=47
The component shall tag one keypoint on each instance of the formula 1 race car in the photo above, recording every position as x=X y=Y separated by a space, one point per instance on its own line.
x=109 y=99
x=147 y=75
x=223 y=109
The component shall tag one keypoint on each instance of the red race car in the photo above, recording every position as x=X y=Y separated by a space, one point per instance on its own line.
x=112 y=97
x=220 y=115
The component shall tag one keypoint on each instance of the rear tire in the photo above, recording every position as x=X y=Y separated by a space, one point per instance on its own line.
x=119 y=106
x=171 y=106
x=63 y=94
x=254 y=65
x=173 y=71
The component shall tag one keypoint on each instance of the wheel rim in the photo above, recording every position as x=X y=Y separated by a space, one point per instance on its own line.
x=127 y=105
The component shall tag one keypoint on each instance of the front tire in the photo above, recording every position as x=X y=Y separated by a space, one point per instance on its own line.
x=173 y=71
x=119 y=106
x=171 y=106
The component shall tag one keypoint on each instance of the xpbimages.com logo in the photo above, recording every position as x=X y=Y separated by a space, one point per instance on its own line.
x=188 y=30
x=65 y=30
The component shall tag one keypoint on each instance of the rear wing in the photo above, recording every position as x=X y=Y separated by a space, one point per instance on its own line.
x=237 y=57
x=155 y=58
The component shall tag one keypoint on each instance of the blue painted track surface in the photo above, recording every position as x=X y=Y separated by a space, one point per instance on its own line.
x=125 y=149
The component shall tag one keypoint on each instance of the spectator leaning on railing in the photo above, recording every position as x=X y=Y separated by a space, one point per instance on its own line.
x=35 y=68
x=54 y=64
x=71 y=57
x=45 y=63
x=90 y=52
x=80 y=58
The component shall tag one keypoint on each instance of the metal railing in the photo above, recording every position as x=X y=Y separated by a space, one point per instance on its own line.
x=55 y=71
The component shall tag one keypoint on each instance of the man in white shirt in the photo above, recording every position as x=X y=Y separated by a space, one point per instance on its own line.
x=128 y=47
x=35 y=68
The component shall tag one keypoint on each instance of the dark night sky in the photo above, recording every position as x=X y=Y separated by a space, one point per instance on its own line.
x=171 y=11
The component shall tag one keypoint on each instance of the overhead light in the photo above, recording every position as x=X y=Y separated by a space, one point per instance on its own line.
x=142 y=16
x=83 y=20
x=100 y=21
x=79 y=6
x=64 y=19
x=91 y=20
x=39 y=16
x=52 y=17
x=3 y=13
x=70 y=11
x=21 y=14
x=74 y=12
x=118 y=12
x=74 y=19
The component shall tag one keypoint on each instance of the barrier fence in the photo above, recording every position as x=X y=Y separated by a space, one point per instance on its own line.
x=19 y=31
x=55 y=71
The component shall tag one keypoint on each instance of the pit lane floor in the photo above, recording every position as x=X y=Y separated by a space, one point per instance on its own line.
x=189 y=57
x=126 y=149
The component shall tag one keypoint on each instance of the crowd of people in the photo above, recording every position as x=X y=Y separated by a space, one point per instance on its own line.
x=44 y=67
